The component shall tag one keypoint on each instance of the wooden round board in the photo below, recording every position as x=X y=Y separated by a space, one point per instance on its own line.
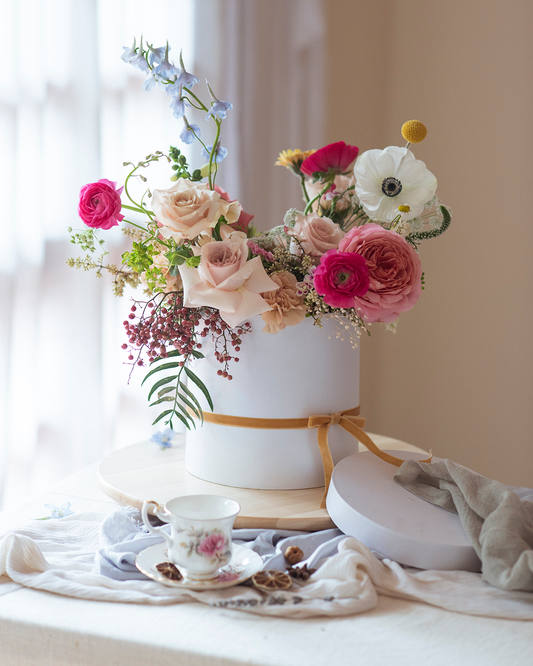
x=146 y=472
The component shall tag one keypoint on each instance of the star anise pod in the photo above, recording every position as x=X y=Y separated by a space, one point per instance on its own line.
x=300 y=573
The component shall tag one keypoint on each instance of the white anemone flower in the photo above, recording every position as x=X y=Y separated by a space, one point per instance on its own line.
x=387 y=179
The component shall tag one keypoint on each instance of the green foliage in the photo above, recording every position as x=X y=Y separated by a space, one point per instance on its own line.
x=185 y=405
x=140 y=258
x=181 y=167
x=193 y=262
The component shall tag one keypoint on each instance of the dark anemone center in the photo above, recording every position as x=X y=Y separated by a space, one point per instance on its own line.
x=391 y=187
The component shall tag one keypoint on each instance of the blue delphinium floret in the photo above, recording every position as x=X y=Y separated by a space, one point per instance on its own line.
x=220 y=153
x=186 y=78
x=178 y=106
x=188 y=131
x=164 y=439
x=156 y=56
x=129 y=52
x=218 y=107
x=165 y=69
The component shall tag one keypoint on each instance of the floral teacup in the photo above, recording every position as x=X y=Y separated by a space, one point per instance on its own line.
x=200 y=532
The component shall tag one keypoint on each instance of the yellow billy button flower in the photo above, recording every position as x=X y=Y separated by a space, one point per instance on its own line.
x=413 y=131
x=292 y=159
x=404 y=209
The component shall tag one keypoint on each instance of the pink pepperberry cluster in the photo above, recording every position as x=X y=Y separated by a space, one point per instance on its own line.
x=162 y=324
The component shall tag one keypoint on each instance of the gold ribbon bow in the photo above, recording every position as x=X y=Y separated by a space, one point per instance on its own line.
x=349 y=420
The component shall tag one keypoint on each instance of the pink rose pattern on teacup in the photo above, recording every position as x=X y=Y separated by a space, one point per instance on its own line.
x=187 y=209
x=394 y=269
x=227 y=281
x=213 y=545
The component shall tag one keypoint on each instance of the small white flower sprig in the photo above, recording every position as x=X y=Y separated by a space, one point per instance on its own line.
x=178 y=83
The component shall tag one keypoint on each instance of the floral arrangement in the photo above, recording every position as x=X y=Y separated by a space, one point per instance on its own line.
x=350 y=251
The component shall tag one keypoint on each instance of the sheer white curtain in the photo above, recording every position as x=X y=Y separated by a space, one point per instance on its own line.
x=70 y=112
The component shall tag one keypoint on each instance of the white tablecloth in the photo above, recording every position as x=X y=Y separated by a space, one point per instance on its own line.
x=42 y=628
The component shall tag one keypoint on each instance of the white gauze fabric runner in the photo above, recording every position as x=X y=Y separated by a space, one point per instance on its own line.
x=87 y=557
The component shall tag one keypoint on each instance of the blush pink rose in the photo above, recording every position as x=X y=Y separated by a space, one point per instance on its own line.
x=186 y=209
x=317 y=234
x=394 y=268
x=226 y=280
x=336 y=156
x=340 y=278
x=213 y=545
x=100 y=204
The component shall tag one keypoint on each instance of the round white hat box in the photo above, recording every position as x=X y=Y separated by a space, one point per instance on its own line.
x=365 y=502
x=296 y=373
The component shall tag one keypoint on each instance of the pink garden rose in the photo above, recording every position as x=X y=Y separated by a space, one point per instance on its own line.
x=226 y=280
x=213 y=545
x=100 y=204
x=336 y=156
x=394 y=269
x=340 y=278
x=317 y=234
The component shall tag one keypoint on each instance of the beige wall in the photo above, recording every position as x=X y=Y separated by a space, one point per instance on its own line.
x=457 y=377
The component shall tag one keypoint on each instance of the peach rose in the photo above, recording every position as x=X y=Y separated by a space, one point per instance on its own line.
x=287 y=306
x=186 y=209
x=225 y=280
x=317 y=234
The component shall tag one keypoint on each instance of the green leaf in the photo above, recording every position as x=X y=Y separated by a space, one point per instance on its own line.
x=199 y=383
x=170 y=354
x=189 y=404
x=191 y=395
x=168 y=398
x=165 y=366
x=160 y=383
x=162 y=415
x=186 y=414
x=185 y=422
x=166 y=390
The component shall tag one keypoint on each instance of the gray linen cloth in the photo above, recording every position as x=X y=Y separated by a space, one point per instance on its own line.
x=498 y=520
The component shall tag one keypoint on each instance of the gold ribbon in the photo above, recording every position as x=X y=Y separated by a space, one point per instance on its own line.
x=349 y=420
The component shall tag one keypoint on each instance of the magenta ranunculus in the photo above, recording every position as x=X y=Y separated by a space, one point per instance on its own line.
x=215 y=544
x=100 y=204
x=336 y=156
x=394 y=268
x=341 y=277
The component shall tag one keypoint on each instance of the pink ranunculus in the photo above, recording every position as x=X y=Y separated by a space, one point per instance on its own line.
x=100 y=204
x=394 y=269
x=336 y=156
x=213 y=545
x=340 y=278
x=243 y=220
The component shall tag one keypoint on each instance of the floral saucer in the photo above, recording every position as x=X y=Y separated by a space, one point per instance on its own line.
x=244 y=564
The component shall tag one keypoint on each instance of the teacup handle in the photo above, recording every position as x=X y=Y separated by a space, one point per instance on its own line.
x=162 y=515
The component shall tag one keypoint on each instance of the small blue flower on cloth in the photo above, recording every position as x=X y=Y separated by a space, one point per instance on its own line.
x=60 y=511
x=164 y=439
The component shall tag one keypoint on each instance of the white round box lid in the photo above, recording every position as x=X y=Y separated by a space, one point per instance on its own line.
x=365 y=502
